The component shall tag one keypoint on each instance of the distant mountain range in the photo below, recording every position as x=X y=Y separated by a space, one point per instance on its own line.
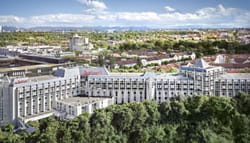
x=97 y=28
x=102 y=28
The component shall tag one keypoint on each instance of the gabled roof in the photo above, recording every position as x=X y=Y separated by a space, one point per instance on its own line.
x=127 y=62
x=201 y=64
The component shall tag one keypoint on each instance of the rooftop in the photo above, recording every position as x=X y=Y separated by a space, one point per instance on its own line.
x=138 y=76
x=127 y=62
x=201 y=64
x=32 y=79
x=125 y=74
x=10 y=62
x=236 y=76
x=93 y=71
x=28 y=67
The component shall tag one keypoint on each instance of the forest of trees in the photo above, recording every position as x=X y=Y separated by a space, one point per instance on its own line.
x=199 y=119
x=201 y=48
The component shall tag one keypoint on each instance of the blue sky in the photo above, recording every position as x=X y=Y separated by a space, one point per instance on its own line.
x=155 y=13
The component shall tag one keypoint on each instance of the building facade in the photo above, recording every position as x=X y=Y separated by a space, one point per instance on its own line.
x=80 y=43
x=72 y=91
x=193 y=79
x=74 y=106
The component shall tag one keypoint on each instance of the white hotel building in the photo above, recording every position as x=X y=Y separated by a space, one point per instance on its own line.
x=72 y=91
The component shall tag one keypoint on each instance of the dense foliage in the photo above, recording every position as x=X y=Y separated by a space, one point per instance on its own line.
x=201 y=48
x=35 y=38
x=195 y=119
x=130 y=40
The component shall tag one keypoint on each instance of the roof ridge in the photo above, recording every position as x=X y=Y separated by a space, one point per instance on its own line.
x=201 y=63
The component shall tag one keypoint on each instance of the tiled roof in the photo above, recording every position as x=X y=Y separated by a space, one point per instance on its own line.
x=128 y=61
x=93 y=71
x=167 y=67
x=142 y=52
x=157 y=57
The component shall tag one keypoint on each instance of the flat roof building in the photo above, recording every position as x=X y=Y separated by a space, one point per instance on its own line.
x=79 y=43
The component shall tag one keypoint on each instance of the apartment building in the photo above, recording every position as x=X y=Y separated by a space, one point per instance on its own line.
x=193 y=79
x=33 y=98
x=69 y=92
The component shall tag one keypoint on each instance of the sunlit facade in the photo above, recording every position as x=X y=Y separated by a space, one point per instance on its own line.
x=72 y=91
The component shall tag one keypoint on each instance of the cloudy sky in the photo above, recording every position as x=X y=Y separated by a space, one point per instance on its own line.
x=152 y=13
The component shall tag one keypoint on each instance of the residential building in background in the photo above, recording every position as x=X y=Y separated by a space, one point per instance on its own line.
x=233 y=63
x=80 y=43
x=45 y=51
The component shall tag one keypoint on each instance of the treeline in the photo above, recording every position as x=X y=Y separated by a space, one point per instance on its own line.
x=155 y=40
x=29 y=38
x=201 y=48
x=200 y=119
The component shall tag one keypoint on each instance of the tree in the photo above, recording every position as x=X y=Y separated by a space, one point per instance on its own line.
x=122 y=118
x=193 y=105
x=218 y=109
x=63 y=134
x=84 y=127
x=140 y=116
x=243 y=103
x=152 y=110
x=35 y=135
x=138 y=136
x=137 y=132
x=101 y=129
x=7 y=135
x=50 y=133
x=212 y=137
x=182 y=48
x=173 y=112
x=164 y=109
x=156 y=134
x=241 y=128
x=194 y=119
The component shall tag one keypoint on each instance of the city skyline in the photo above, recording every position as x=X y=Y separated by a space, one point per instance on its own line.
x=160 y=14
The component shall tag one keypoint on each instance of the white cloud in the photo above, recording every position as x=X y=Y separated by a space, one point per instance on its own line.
x=64 y=19
x=217 y=11
x=169 y=9
x=218 y=16
x=137 y=16
x=10 y=19
x=97 y=15
x=93 y=6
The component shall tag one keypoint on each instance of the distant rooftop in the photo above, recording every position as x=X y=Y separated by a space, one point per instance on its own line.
x=10 y=62
x=28 y=67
